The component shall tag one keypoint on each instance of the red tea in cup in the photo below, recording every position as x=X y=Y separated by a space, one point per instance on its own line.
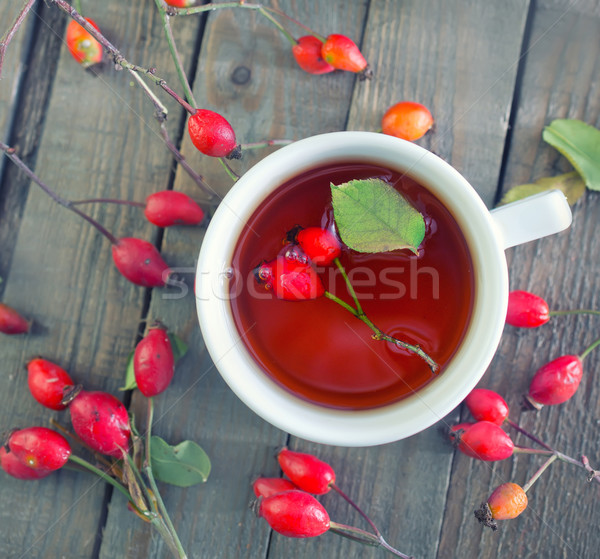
x=316 y=349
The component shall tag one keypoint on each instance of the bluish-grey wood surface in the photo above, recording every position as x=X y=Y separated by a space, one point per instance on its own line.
x=493 y=74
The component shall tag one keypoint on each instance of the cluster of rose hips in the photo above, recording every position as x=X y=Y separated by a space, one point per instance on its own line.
x=290 y=507
x=100 y=424
x=485 y=439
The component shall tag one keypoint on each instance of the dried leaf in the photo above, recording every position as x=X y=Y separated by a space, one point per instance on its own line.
x=570 y=184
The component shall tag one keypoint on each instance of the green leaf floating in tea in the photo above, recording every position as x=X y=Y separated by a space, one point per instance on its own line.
x=372 y=216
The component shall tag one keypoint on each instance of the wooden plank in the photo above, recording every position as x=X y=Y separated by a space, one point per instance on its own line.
x=424 y=51
x=559 y=81
x=99 y=140
x=277 y=101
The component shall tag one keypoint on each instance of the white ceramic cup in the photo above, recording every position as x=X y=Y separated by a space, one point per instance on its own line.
x=487 y=233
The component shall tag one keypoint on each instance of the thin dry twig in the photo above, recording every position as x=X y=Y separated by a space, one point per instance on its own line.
x=10 y=33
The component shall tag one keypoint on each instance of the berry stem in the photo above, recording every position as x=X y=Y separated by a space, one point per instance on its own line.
x=100 y=473
x=349 y=286
x=183 y=80
x=517 y=427
x=232 y=175
x=108 y=201
x=365 y=537
x=574 y=311
x=539 y=472
x=356 y=508
x=281 y=28
x=10 y=33
x=379 y=335
x=10 y=153
x=588 y=349
x=148 y=470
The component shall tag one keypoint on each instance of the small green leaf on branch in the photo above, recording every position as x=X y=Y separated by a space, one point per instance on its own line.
x=130 y=383
x=184 y=465
x=372 y=216
x=179 y=346
x=580 y=144
x=570 y=184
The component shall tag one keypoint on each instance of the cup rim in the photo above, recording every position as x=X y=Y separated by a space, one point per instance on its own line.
x=280 y=407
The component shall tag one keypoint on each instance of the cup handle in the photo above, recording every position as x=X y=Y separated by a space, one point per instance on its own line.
x=532 y=218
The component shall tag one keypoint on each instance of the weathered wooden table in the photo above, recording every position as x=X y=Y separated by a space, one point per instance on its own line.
x=492 y=73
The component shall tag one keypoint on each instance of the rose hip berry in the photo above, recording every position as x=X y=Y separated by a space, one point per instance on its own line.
x=526 y=310
x=485 y=441
x=153 y=362
x=267 y=486
x=140 y=262
x=180 y=3
x=169 y=207
x=17 y=469
x=39 y=448
x=48 y=383
x=556 y=381
x=82 y=45
x=343 y=54
x=507 y=501
x=294 y=514
x=11 y=322
x=487 y=405
x=307 y=52
x=290 y=279
x=308 y=472
x=101 y=421
x=320 y=245
x=212 y=134
x=407 y=120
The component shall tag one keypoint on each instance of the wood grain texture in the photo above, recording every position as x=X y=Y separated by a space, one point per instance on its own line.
x=560 y=80
x=62 y=274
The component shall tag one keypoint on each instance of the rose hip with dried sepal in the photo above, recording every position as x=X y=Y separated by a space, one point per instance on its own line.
x=290 y=279
x=140 y=262
x=170 y=207
x=507 y=501
x=483 y=440
x=212 y=135
x=307 y=471
x=17 y=469
x=11 y=321
x=39 y=448
x=48 y=383
x=100 y=421
x=526 y=310
x=487 y=405
x=343 y=54
x=294 y=514
x=307 y=53
x=153 y=361
x=267 y=486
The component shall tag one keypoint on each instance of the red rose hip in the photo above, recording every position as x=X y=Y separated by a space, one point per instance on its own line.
x=487 y=405
x=11 y=321
x=343 y=54
x=153 y=362
x=101 y=421
x=212 y=135
x=485 y=441
x=48 y=383
x=308 y=472
x=17 y=469
x=307 y=53
x=526 y=310
x=290 y=279
x=39 y=448
x=170 y=207
x=294 y=514
x=267 y=486
x=556 y=381
x=140 y=262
